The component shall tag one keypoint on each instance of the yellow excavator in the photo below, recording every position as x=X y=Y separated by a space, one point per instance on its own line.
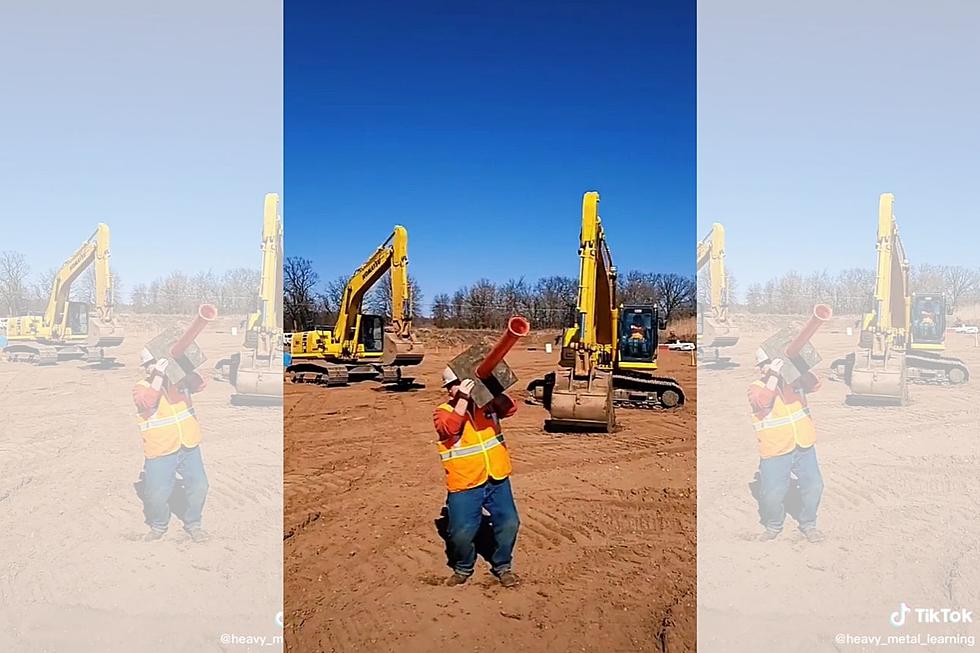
x=256 y=372
x=362 y=346
x=903 y=334
x=715 y=326
x=70 y=330
x=608 y=357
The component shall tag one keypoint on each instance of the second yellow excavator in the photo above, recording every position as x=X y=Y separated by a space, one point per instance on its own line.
x=68 y=330
x=362 y=346
x=256 y=372
x=609 y=356
x=716 y=329
x=903 y=334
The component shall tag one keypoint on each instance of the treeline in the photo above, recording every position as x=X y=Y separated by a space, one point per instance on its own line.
x=850 y=291
x=551 y=302
x=548 y=302
x=234 y=292
x=25 y=293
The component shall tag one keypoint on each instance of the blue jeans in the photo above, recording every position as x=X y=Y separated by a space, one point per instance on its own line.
x=466 y=513
x=774 y=480
x=160 y=474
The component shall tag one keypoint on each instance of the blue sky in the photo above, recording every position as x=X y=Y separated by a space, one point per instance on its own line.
x=807 y=113
x=164 y=122
x=480 y=125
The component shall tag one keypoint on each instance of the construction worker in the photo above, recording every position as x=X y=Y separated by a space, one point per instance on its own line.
x=786 y=435
x=171 y=445
x=478 y=468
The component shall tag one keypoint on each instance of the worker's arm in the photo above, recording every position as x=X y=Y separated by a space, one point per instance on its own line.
x=449 y=424
x=503 y=406
x=146 y=400
x=761 y=399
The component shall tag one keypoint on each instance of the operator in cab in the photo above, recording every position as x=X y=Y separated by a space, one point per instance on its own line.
x=787 y=446
x=171 y=445
x=477 y=465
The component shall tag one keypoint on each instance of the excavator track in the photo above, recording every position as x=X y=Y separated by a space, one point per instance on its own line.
x=647 y=392
x=922 y=369
x=629 y=391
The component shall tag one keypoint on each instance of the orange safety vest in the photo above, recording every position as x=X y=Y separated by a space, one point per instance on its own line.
x=479 y=453
x=787 y=425
x=173 y=425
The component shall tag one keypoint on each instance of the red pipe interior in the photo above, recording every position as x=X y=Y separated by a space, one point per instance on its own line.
x=517 y=327
x=206 y=313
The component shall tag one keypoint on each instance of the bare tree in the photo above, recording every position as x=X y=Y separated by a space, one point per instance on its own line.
x=677 y=294
x=299 y=282
x=960 y=283
x=441 y=310
x=14 y=272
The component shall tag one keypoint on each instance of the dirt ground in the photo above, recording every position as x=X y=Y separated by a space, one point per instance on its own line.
x=606 y=550
x=899 y=510
x=74 y=573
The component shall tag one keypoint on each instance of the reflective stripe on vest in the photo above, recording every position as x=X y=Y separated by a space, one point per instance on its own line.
x=185 y=414
x=462 y=452
x=773 y=422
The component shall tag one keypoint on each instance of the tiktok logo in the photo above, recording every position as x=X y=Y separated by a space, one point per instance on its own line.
x=898 y=617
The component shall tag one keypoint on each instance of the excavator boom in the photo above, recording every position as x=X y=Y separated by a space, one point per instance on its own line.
x=716 y=327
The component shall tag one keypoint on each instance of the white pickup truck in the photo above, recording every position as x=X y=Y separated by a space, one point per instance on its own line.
x=681 y=346
x=966 y=328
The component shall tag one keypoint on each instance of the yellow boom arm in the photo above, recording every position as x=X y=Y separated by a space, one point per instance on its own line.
x=891 y=313
x=269 y=316
x=95 y=250
x=391 y=255
x=711 y=252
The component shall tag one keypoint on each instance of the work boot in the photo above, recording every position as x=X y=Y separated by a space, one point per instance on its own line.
x=508 y=579
x=198 y=535
x=813 y=535
x=457 y=579
x=768 y=535
x=153 y=536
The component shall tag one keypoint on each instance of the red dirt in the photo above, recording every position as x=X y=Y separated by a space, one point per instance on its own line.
x=606 y=550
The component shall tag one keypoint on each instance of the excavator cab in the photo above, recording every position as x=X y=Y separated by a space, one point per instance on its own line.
x=77 y=321
x=638 y=327
x=928 y=318
x=372 y=333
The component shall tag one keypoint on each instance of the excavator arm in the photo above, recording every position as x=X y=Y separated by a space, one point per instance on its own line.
x=94 y=251
x=597 y=314
x=717 y=323
x=890 y=314
x=711 y=252
x=268 y=319
x=366 y=276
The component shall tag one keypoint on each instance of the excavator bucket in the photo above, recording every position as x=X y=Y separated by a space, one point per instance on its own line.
x=879 y=380
x=718 y=333
x=103 y=333
x=582 y=403
x=399 y=350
